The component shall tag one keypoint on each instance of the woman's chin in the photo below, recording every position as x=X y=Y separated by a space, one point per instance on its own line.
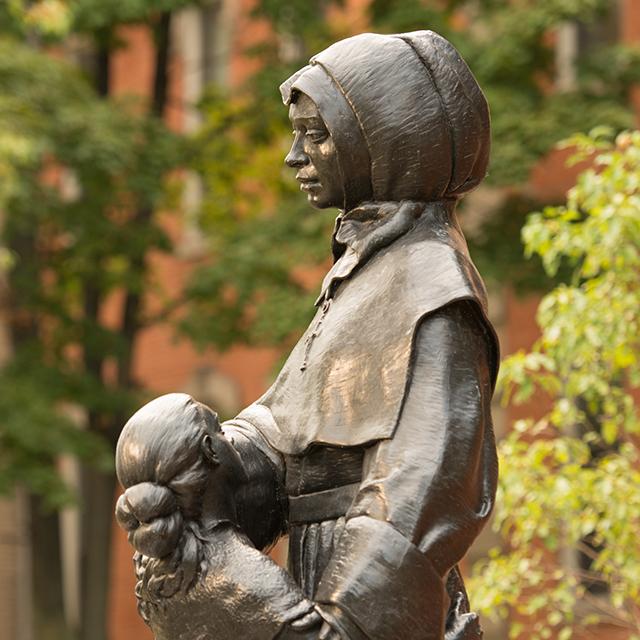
x=320 y=197
x=318 y=202
x=314 y=201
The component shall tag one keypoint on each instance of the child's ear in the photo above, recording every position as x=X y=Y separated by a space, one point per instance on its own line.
x=209 y=451
x=210 y=417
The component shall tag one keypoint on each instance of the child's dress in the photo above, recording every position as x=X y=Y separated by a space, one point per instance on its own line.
x=238 y=593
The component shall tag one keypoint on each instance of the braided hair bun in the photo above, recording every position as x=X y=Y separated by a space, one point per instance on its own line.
x=149 y=513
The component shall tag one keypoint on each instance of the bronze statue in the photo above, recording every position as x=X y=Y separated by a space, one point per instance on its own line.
x=374 y=448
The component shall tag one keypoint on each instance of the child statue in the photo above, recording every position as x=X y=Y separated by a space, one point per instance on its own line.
x=199 y=576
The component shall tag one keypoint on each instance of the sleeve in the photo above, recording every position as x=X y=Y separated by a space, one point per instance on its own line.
x=426 y=493
x=261 y=500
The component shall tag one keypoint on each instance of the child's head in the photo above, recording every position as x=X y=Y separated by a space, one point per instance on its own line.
x=165 y=459
x=171 y=458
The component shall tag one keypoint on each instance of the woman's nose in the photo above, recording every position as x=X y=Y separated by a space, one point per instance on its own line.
x=296 y=157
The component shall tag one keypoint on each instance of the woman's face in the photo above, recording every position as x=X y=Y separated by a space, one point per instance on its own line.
x=313 y=154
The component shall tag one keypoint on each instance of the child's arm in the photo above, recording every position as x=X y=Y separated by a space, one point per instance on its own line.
x=261 y=592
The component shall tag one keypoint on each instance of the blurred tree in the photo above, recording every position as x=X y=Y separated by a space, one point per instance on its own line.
x=570 y=480
x=83 y=178
x=265 y=236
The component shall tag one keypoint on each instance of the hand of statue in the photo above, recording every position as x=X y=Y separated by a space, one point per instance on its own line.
x=303 y=616
x=327 y=632
x=466 y=625
x=330 y=625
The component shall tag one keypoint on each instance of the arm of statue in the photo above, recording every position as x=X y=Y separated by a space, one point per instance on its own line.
x=261 y=499
x=261 y=505
x=426 y=493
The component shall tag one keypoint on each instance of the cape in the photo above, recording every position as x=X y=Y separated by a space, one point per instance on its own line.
x=345 y=381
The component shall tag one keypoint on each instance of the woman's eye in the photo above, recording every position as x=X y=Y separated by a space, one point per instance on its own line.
x=317 y=135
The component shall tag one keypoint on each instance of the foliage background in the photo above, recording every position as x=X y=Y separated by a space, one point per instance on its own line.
x=570 y=479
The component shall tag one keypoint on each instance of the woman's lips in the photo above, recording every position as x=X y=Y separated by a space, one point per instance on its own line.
x=309 y=184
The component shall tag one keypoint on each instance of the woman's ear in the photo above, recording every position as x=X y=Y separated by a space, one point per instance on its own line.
x=209 y=451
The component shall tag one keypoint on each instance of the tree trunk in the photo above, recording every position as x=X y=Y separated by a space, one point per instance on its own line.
x=44 y=524
x=97 y=487
x=97 y=495
x=48 y=605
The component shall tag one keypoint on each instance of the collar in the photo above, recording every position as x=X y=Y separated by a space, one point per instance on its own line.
x=361 y=232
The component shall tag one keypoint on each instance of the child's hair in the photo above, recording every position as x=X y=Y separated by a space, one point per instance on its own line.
x=160 y=462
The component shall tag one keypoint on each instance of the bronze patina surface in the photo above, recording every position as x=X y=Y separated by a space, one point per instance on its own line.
x=373 y=449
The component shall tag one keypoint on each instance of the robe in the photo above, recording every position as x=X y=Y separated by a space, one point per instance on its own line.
x=379 y=427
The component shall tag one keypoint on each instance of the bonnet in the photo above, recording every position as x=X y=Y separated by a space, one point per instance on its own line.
x=407 y=117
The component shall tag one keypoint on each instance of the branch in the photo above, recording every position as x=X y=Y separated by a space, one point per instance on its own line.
x=588 y=551
x=614 y=616
x=103 y=63
x=161 y=77
x=163 y=314
x=131 y=316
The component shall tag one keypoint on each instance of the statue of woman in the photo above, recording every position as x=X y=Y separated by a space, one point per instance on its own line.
x=378 y=430
x=381 y=415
